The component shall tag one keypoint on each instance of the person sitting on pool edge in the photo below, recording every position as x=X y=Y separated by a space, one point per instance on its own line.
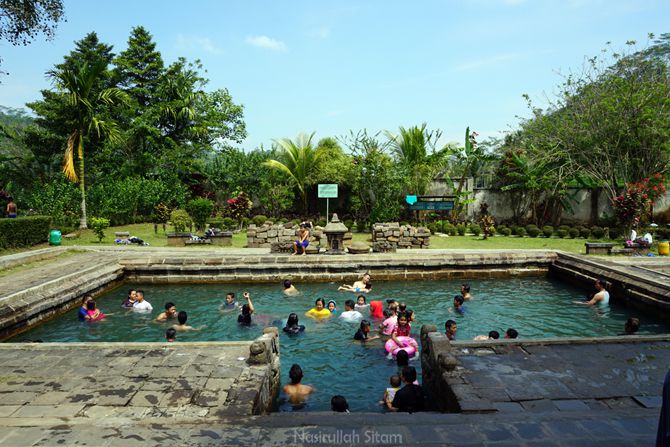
x=361 y=286
x=303 y=239
x=170 y=312
x=244 y=318
x=410 y=397
x=230 y=304
x=289 y=288
x=171 y=335
x=319 y=311
x=631 y=327
x=296 y=391
x=601 y=296
x=292 y=326
x=141 y=304
x=465 y=292
x=511 y=333
x=450 y=329
x=181 y=319
x=363 y=331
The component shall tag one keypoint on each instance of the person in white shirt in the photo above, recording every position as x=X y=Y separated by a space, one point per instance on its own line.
x=141 y=304
x=349 y=313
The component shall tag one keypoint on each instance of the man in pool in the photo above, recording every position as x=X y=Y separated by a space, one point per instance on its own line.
x=458 y=304
x=632 y=325
x=511 y=333
x=450 y=328
x=349 y=313
x=465 y=291
x=141 y=304
x=289 y=288
x=362 y=286
x=182 y=326
x=296 y=391
x=601 y=296
x=170 y=312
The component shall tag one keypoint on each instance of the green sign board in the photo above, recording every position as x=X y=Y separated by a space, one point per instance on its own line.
x=328 y=191
x=437 y=206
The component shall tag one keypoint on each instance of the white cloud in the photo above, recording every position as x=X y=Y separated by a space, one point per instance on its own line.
x=266 y=42
x=197 y=43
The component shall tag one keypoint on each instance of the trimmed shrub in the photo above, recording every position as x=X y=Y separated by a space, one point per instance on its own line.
x=245 y=222
x=229 y=223
x=200 y=210
x=180 y=220
x=24 y=231
x=215 y=222
x=259 y=219
x=529 y=226
x=534 y=232
x=547 y=230
x=460 y=229
x=99 y=225
x=597 y=232
x=520 y=231
x=584 y=232
x=475 y=229
x=564 y=227
x=505 y=231
x=573 y=232
x=432 y=226
x=562 y=233
x=452 y=230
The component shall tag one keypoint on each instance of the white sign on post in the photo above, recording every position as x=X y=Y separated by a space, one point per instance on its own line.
x=327 y=191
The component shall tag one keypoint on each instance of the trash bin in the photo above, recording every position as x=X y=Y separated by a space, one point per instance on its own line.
x=664 y=248
x=54 y=237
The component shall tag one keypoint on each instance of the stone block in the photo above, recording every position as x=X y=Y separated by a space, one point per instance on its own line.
x=272 y=233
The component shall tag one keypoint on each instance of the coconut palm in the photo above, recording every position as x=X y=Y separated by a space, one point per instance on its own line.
x=298 y=160
x=414 y=152
x=77 y=87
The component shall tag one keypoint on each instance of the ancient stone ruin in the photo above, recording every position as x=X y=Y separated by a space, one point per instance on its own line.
x=279 y=237
x=387 y=237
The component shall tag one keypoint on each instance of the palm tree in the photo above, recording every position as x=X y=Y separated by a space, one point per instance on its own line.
x=299 y=159
x=471 y=156
x=77 y=87
x=414 y=151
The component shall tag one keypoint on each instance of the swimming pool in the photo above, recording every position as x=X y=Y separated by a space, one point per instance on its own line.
x=331 y=360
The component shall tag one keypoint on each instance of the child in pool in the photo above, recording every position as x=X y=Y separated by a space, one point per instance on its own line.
x=244 y=319
x=296 y=391
x=402 y=308
x=332 y=306
x=389 y=393
x=402 y=360
x=93 y=313
x=363 y=331
x=230 y=304
x=386 y=328
x=402 y=329
x=458 y=305
x=292 y=326
x=362 y=306
x=319 y=311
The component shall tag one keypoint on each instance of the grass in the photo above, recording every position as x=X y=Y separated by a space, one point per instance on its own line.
x=146 y=232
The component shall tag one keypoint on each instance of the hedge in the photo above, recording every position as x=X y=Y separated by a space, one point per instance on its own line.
x=24 y=231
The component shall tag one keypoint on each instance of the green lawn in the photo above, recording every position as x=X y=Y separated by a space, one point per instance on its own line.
x=146 y=232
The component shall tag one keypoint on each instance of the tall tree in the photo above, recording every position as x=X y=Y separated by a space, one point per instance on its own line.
x=297 y=160
x=77 y=87
x=22 y=20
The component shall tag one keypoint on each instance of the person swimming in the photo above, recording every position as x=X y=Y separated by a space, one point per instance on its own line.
x=289 y=288
x=465 y=292
x=386 y=328
x=296 y=391
x=362 y=306
x=458 y=304
x=244 y=319
x=292 y=326
x=319 y=310
x=376 y=310
x=363 y=331
x=493 y=335
x=230 y=304
x=170 y=312
x=349 y=313
x=181 y=319
x=361 y=286
x=332 y=306
x=130 y=299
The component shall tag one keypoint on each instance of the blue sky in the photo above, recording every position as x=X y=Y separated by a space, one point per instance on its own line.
x=334 y=66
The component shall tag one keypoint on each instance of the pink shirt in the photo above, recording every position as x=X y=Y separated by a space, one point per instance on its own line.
x=402 y=331
x=388 y=324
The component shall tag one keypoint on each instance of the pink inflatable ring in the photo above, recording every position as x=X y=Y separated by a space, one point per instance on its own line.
x=410 y=346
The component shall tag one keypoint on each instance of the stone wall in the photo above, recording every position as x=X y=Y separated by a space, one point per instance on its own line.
x=392 y=235
x=265 y=235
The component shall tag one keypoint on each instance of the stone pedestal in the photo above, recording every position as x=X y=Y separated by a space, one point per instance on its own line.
x=223 y=239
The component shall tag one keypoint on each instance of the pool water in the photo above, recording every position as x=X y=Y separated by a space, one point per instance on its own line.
x=332 y=362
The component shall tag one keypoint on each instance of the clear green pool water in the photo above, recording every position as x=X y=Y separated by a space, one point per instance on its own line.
x=331 y=360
